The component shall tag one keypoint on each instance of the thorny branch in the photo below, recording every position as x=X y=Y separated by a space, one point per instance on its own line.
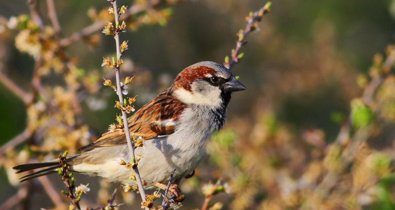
x=131 y=148
x=252 y=19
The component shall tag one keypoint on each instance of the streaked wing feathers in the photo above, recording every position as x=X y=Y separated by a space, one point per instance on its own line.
x=157 y=118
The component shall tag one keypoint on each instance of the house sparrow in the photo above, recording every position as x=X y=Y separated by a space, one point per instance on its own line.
x=175 y=127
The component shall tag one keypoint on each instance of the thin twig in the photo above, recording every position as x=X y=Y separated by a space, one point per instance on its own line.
x=209 y=191
x=53 y=17
x=68 y=180
x=36 y=16
x=371 y=89
x=99 y=24
x=120 y=98
x=165 y=201
x=17 y=140
x=206 y=202
x=252 y=20
x=15 y=199
x=16 y=89
x=110 y=202
x=51 y=191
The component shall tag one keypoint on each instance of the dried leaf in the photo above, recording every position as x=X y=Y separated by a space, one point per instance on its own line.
x=124 y=46
x=107 y=83
x=122 y=27
x=132 y=100
x=118 y=105
x=110 y=10
x=128 y=80
x=107 y=63
x=123 y=9
x=119 y=62
x=108 y=29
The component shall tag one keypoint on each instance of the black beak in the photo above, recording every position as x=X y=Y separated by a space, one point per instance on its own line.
x=233 y=85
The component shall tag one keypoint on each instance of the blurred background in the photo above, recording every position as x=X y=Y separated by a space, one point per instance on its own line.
x=314 y=130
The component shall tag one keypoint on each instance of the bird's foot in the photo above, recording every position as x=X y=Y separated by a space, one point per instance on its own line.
x=174 y=192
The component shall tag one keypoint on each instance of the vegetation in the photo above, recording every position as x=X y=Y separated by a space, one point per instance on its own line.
x=314 y=130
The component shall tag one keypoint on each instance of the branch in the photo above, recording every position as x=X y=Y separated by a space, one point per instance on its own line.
x=36 y=16
x=53 y=17
x=209 y=191
x=371 y=89
x=360 y=136
x=51 y=191
x=17 y=140
x=14 y=88
x=96 y=26
x=252 y=20
x=15 y=199
x=206 y=202
x=110 y=202
x=165 y=202
x=109 y=29
x=69 y=181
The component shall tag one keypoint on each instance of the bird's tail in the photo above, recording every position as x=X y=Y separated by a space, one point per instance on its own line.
x=34 y=170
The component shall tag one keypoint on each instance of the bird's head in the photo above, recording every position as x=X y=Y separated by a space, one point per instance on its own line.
x=206 y=83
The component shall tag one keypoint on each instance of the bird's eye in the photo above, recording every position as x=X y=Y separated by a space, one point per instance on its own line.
x=214 y=80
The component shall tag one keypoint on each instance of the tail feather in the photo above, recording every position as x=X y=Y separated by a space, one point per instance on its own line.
x=34 y=170
x=32 y=166
x=32 y=176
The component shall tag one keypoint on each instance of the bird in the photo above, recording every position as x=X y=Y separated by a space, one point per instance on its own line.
x=175 y=128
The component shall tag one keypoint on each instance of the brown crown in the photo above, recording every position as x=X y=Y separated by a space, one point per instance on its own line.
x=185 y=78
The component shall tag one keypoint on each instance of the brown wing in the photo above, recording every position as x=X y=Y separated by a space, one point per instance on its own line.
x=156 y=118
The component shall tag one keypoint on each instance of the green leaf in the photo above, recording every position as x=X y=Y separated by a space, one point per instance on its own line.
x=225 y=138
x=226 y=59
x=361 y=114
x=268 y=5
x=384 y=194
x=337 y=117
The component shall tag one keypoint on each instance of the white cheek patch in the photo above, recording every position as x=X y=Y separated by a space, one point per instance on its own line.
x=213 y=98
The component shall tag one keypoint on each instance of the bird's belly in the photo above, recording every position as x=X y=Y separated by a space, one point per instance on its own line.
x=159 y=158
x=162 y=157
